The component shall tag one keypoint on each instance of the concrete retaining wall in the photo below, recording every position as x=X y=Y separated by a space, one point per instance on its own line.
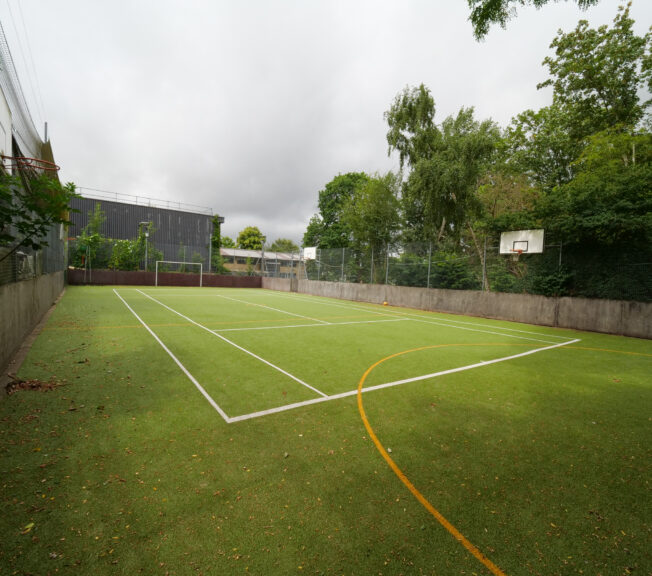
x=280 y=284
x=608 y=316
x=22 y=305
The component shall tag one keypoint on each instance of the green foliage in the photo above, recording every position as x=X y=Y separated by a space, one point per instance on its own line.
x=484 y=13
x=597 y=75
x=228 y=242
x=372 y=213
x=91 y=243
x=251 y=238
x=126 y=255
x=411 y=120
x=539 y=146
x=130 y=254
x=608 y=201
x=443 y=187
x=314 y=232
x=284 y=245
x=217 y=263
x=29 y=207
x=328 y=229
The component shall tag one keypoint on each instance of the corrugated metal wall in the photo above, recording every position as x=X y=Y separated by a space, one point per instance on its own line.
x=175 y=230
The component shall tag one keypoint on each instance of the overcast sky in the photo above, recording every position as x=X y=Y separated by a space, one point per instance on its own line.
x=250 y=107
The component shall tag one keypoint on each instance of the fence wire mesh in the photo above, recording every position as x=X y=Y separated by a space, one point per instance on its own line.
x=24 y=263
x=559 y=271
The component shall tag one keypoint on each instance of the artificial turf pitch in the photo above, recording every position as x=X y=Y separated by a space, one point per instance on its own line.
x=225 y=431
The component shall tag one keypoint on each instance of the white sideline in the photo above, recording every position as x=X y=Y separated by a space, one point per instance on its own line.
x=270 y=308
x=183 y=368
x=234 y=344
x=220 y=330
x=395 y=383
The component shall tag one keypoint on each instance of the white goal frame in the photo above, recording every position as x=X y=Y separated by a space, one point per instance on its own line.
x=201 y=269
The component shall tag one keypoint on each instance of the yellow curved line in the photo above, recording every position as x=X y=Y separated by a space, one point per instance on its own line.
x=420 y=497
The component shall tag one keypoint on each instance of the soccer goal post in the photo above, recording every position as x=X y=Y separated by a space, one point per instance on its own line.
x=165 y=266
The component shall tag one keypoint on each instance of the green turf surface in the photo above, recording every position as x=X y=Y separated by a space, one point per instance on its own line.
x=541 y=461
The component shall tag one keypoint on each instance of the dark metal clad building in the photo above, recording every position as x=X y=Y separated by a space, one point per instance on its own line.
x=177 y=233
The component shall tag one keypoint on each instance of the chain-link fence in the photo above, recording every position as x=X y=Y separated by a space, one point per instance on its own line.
x=559 y=271
x=137 y=254
x=24 y=263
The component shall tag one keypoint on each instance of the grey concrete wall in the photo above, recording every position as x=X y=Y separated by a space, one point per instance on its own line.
x=608 y=316
x=281 y=284
x=22 y=305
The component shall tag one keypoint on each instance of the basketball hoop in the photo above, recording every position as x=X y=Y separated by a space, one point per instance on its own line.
x=515 y=254
x=24 y=164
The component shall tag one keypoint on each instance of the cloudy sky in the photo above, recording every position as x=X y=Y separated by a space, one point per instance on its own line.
x=250 y=107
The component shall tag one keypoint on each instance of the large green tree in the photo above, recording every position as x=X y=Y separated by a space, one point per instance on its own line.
x=251 y=238
x=372 y=214
x=539 y=145
x=327 y=229
x=227 y=242
x=411 y=120
x=441 y=189
x=597 y=75
x=609 y=200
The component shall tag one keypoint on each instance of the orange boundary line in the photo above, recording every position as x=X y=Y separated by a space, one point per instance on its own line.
x=420 y=497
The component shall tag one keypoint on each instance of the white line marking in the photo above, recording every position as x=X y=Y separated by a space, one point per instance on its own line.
x=274 y=309
x=220 y=330
x=178 y=363
x=235 y=345
x=395 y=383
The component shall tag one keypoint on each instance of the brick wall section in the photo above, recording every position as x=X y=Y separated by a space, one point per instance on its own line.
x=142 y=278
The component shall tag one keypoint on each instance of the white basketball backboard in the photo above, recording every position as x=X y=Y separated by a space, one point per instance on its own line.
x=525 y=241
x=310 y=253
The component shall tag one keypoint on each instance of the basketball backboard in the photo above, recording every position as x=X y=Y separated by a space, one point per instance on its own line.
x=522 y=242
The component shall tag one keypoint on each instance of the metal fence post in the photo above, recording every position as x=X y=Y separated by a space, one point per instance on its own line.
x=342 y=275
x=429 y=261
x=371 y=279
x=386 y=263
x=484 y=266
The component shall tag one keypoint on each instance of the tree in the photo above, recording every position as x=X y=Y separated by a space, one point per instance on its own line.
x=608 y=202
x=91 y=240
x=411 y=120
x=29 y=207
x=443 y=187
x=484 y=13
x=372 y=214
x=284 y=245
x=217 y=263
x=597 y=75
x=227 y=242
x=538 y=145
x=314 y=231
x=129 y=254
x=327 y=229
x=251 y=238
